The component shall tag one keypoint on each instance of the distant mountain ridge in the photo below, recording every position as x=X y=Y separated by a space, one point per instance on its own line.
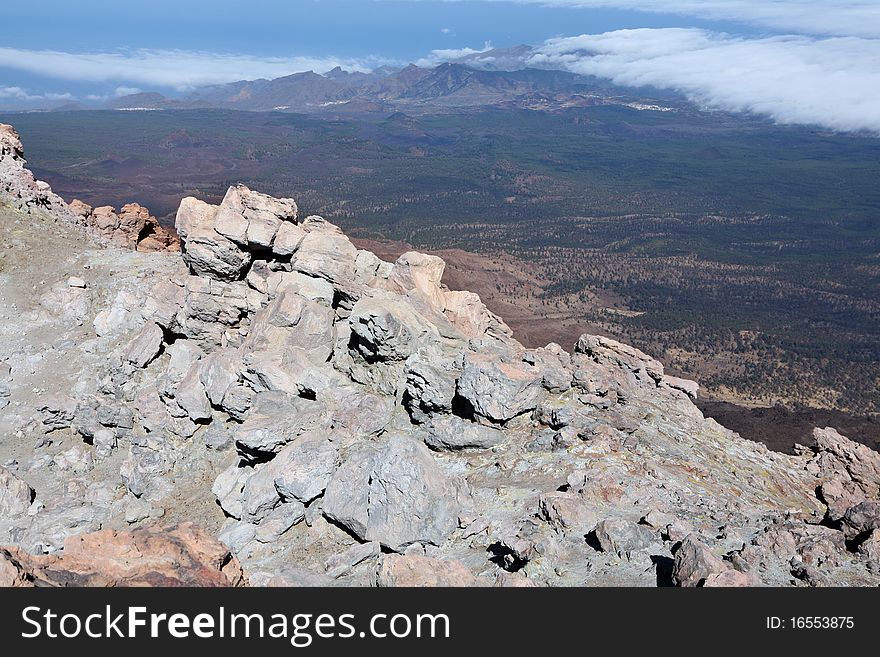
x=475 y=81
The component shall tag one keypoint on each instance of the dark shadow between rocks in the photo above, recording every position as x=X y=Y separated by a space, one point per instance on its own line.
x=663 y=566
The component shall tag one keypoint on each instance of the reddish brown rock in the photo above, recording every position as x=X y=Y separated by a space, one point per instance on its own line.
x=410 y=570
x=184 y=555
x=132 y=227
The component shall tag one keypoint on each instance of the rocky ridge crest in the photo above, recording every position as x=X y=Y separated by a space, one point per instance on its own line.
x=337 y=419
x=133 y=227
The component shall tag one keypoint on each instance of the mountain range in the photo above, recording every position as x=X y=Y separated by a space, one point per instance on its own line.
x=495 y=78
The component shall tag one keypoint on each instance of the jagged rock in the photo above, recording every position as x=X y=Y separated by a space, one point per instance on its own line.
x=387 y=329
x=276 y=420
x=341 y=564
x=228 y=488
x=394 y=494
x=849 y=472
x=691 y=389
x=554 y=362
x=870 y=546
x=15 y=495
x=621 y=537
x=410 y=570
x=729 y=579
x=279 y=520
x=145 y=346
x=76 y=459
x=218 y=437
x=58 y=412
x=124 y=314
x=420 y=274
x=218 y=372
x=237 y=535
x=606 y=351
x=430 y=383
x=695 y=562
x=470 y=316
x=499 y=390
x=861 y=519
x=132 y=227
x=303 y=468
x=251 y=219
x=567 y=513
x=325 y=252
x=259 y=495
x=205 y=251
x=19 y=188
x=180 y=556
x=448 y=432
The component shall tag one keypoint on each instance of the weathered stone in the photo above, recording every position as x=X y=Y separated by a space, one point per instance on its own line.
x=191 y=396
x=394 y=494
x=342 y=563
x=15 y=495
x=567 y=513
x=303 y=468
x=228 y=489
x=410 y=570
x=277 y=420
x=861 y=519
x=183 y=555
x=145 y=346
x=325 y=252
x=499 y=390
x=218 y=437
x=553 y=361
x=288 y=239
x=621 y=537
x=448 y=432
x=237 y=535
x=387 y=329
x=695 y=562
x=206 y=252
x=729 y=579
x=280 y=519
x=430 y=383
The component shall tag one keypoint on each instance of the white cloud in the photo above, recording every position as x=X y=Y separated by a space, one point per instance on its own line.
x=436 y=57
x=17 y=93
x=178 y=69
x=445 y=30
x=826 y=17
x=126 y=91
x=833 y=82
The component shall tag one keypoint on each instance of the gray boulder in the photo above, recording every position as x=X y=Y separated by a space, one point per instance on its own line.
x=499 y=390
x=394 y=494
x=449 y=432
x=303 y=468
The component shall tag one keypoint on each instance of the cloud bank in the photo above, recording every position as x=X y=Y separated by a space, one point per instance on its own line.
x=19 y=94
x=177 y=69
x=819 y=17
x=832 y=82
x=436 y=57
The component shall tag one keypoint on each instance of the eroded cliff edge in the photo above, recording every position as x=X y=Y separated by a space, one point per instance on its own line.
x=336 y=419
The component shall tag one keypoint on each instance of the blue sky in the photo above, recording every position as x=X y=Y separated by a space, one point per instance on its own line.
x=781 y=58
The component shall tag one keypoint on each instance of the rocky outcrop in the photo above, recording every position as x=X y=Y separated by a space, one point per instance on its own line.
x=333 y=417
x=132 y=227
x=18 y=187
